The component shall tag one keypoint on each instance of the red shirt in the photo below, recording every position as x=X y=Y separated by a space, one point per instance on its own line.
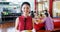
x=39 y=26
x=25 y=24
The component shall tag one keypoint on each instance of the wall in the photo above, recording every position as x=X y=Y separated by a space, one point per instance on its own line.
x=21 y=1
x=56 y=8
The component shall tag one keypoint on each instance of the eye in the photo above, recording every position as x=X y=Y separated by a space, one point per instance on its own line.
x=24 y=7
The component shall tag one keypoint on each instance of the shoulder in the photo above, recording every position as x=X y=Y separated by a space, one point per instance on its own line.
x=21 y=17
x=29 y=17
x=17 y=18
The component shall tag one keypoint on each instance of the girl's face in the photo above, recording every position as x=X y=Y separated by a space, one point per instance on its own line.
x=26 y=8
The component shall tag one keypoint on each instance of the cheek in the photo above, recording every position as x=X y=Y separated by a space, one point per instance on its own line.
x=28 y=10
x=23 y=10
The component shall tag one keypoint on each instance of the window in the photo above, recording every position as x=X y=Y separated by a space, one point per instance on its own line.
x=56 y=9
x=42 y=5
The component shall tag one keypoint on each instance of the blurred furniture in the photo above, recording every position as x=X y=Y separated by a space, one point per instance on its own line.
x=43 y=31
x=56 y=24
x=48 y=31
x=58 y=14
x=11 y=17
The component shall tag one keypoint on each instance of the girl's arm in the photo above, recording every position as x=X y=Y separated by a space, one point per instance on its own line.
x=16 y=24
x=33 y=30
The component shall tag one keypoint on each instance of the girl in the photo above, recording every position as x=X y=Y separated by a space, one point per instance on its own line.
x=48 y=22
x=24 y=22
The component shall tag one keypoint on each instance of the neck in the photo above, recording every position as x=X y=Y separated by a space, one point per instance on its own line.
x=25 y=15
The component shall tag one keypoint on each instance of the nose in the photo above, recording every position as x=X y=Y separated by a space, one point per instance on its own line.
x=26 y=9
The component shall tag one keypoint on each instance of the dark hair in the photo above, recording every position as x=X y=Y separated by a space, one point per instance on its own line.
x=46 y=14
x=32 y=14
x=25 y=3
x=46 y=11
x=40 y=14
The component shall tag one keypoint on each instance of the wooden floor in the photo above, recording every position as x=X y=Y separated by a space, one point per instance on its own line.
x=6 y=25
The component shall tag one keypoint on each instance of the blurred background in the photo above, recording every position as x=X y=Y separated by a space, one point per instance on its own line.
x=10 y=10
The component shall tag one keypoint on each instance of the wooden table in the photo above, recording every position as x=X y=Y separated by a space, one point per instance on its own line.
x=48 y=31
x=43 y=31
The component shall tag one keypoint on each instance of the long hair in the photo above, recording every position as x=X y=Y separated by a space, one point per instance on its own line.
x=46 y=14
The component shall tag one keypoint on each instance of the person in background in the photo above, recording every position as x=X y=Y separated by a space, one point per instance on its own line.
x=35 y=21
x=24 y=22
x=32 y=14
x=46 y=11
x=38 y=23
x=48 y=22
